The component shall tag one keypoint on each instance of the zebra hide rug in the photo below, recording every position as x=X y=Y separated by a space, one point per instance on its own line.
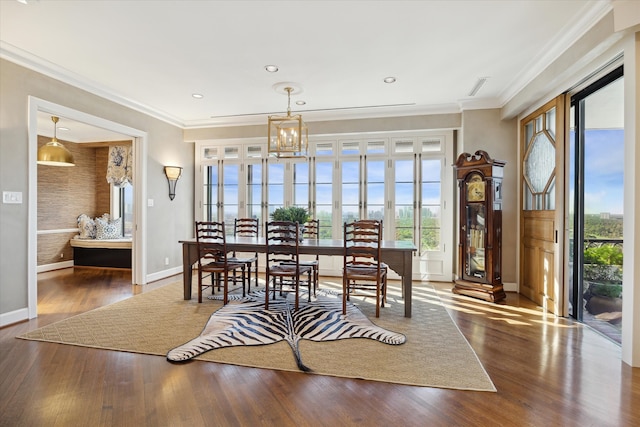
x=244 y=321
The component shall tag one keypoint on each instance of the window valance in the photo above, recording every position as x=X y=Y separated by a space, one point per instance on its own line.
x=120 y=166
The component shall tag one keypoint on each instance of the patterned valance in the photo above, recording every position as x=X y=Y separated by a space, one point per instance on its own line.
x=120 y=166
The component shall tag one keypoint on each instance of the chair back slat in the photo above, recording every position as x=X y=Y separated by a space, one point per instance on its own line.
x=311 y=229
x=212 y=245
x=282 y=239
x=246 y=227
x=362 y=242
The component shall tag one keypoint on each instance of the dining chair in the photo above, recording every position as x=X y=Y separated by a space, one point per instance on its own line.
x=212 y=252
x=246 y=227
x=283 y=260
x=310 y=231
x=363 y=272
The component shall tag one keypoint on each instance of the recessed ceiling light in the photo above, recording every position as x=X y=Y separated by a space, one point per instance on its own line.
x=197 y=95
x=389 y=79
x=271 y=68
x=300 y=102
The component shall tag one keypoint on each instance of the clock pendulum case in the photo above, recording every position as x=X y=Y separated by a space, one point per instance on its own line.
x=480 y=247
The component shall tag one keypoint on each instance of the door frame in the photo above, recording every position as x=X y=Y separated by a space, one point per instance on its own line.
x=139 y=264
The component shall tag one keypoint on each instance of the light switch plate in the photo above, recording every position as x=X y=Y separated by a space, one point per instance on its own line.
x=12 y=197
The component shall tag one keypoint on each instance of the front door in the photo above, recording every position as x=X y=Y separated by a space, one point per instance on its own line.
x=543 y=135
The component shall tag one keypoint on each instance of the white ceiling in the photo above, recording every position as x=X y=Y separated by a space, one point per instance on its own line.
x=153 y=55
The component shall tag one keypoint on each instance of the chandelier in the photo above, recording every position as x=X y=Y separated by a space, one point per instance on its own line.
x=288 y=135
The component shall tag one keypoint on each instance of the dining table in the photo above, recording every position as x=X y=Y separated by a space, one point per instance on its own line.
x=397 y=254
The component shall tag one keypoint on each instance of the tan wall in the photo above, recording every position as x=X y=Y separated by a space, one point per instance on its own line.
x=164 y=145
x=484 y=130
x=381 y=124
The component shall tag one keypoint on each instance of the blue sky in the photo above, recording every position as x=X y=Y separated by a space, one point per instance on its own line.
x=604 y=171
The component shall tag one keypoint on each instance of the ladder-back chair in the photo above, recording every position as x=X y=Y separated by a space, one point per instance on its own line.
x=246 y=227
x=363 y=272
x=213 y=260
x=283 y=260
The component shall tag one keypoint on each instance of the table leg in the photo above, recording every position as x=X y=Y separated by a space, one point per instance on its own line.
x=407 y=282
x=187 y=270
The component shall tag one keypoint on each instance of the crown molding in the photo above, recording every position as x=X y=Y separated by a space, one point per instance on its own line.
x=552 y=51
x=20 y=57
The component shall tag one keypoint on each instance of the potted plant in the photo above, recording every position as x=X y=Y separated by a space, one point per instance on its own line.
x=603 y=280
x=293 y=214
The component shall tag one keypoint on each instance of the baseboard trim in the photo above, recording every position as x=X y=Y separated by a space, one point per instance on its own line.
x=510 y=287
x=55 y=266
x=163 y=274
x=12 y=317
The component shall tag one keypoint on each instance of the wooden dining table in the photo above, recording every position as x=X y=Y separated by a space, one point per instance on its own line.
x=397 y=254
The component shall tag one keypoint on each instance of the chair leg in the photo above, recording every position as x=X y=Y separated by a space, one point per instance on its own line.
x=256 y=272
x=266 y=290
x=243 y=281
x=200 y=286
x=249 y=276
x=225 y=286
x=384 y=291
x=344 y=295
x=316 y=279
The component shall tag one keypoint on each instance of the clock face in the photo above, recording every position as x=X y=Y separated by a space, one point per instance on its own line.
x=475 y=189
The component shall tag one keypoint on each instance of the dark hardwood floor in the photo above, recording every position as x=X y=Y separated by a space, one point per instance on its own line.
x=548 y=372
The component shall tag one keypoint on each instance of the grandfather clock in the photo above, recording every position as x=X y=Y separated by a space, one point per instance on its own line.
x=479 y=251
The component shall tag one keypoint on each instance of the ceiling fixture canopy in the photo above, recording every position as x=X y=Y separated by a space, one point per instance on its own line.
x=53 y=153
x=288 y=135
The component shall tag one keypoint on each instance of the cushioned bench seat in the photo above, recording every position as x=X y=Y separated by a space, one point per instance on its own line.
x=115 y=253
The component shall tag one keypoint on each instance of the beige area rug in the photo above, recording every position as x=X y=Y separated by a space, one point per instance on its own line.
x=436 y=354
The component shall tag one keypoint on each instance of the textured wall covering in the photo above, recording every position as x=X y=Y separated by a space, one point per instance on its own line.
x=66 y=192
x=50 y=246
x=102 y=188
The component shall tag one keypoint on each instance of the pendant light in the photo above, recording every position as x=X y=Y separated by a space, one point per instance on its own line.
x=288 y=135
x=53 y=153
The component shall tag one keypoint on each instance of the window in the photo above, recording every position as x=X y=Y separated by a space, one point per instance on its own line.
x=122 y=207
x=396 y=177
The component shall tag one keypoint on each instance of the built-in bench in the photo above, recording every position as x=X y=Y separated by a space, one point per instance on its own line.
x=115 y=253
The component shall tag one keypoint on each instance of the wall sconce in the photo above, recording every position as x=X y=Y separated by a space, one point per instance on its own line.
x=172 y=173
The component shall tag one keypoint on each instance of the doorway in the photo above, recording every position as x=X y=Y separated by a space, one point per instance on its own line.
x=139 y=138
x=596 y=208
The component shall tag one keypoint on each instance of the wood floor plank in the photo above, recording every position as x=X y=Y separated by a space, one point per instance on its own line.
x=548 y=371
